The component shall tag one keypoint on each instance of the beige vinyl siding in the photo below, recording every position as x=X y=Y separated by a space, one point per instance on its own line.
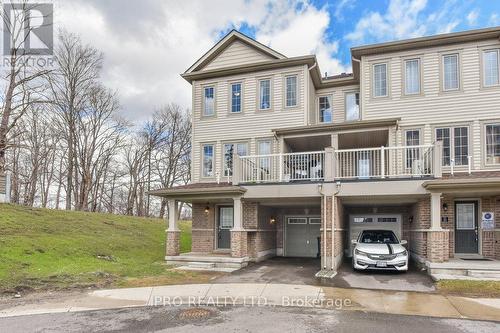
x=338 y=101
x=251 y=124
x=432 y=107
x=238 y=53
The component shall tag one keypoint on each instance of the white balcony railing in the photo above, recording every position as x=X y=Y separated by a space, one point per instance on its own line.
x=281 y=167
x=329 y=165
x=383 y=162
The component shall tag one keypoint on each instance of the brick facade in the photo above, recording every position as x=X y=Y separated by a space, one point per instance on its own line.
x=203 y=228
x=239 y=244
x=437 y=246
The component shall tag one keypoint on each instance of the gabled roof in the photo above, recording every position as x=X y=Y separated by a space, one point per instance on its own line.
x=232 y=36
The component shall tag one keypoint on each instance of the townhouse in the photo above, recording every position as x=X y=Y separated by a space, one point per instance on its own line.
x=287 y=161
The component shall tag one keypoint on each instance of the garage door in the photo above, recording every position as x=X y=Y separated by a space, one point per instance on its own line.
x=301 y=236
x=358 y=223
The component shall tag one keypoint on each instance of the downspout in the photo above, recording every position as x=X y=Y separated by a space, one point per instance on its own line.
x=333 y=229
x=323 y=218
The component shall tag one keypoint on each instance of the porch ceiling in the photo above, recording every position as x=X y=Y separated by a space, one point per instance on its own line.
x=309 y=143
x=363 y=139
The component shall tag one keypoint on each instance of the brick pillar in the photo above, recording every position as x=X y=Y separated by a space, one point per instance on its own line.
x=438 y=246
x=239 y=244
x=173 y=243
x=488 y=243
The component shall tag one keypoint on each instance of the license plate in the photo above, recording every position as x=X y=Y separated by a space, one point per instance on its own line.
x=381 y=264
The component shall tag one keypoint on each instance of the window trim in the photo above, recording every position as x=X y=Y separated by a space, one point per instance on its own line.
x=271 y=94
x=387 y=81
x=420 y=77
x=318 y=110
x=203 y=87
x=230 y=93
x=470 y=148
x=483 y=142
x=481 y=64
x=459 y=71
x=297 y=100
x=214 y=160
x=347 y=92
x=223 y=152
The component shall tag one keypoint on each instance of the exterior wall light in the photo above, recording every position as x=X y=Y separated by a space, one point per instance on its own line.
x=445 y=207
x=272 y=220
x=207 y=209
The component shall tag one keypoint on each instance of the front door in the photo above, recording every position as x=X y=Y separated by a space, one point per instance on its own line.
x=466 y=233
x=302 y=236
x=224 y=226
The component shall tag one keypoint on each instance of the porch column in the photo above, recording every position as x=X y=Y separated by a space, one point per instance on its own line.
x=436 y=211
x=239 y=246
x=173 y=232
x=329 y=172
x=437 y=237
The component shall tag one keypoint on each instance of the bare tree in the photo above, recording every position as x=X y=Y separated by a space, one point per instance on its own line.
x=78 y=68
x=23 y=85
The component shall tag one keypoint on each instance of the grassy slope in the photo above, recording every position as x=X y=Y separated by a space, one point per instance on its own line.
x=41 y=248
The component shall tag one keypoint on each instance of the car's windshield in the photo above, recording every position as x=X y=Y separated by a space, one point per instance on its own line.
x=378 y=237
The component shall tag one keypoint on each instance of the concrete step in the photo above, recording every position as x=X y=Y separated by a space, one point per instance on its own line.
x=202 y=265
x=477 y=273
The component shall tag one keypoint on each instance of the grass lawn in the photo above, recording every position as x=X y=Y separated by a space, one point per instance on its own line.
x=50 y=249
x=469 y=288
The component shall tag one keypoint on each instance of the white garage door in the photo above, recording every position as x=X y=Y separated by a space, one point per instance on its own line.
x=358 y=223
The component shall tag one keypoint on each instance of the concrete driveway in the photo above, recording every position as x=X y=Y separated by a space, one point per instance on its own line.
x=413 y=280
x=302 y=271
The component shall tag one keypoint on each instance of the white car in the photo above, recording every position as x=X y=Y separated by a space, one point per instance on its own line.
x=379 y=249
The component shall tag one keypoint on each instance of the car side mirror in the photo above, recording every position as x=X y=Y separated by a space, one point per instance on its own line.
x=404 y=242
x=354 y=242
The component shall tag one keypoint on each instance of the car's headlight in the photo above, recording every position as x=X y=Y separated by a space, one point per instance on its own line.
x=358 y=252
x=402 y=254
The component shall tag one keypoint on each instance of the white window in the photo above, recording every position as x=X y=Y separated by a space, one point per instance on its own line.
x=291 y=90
x=325 y=109
x=209 y=101
x=451 y=77
x=241 y=150
x=380 y=80
x=362 y=219
x=264 y=163
x=491 y=71
x=265 y=94
x=412 y=77
x=455 y=144
x=352 y=106
x=493 y=144
x=226 y=217
x=443 y=134
x=235 y=97
x=208 y=161
x=314 y=220
x=412 y=154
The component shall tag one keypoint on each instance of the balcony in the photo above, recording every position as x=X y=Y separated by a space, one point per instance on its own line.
x=346 y=164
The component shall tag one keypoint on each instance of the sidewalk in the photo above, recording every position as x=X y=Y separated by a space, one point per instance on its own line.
x=250 y=294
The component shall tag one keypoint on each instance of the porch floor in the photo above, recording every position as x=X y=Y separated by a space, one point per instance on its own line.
x=461 y=269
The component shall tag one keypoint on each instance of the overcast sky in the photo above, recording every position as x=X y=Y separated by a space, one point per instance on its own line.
x=148 y=43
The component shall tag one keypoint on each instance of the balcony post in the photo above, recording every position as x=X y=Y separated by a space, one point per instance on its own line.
x=438 y=159
x=236 y=169
x=382 y=162
x=329 y=172
x=280 y=169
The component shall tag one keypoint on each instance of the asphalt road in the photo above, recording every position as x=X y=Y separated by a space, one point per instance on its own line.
x=237 y=319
